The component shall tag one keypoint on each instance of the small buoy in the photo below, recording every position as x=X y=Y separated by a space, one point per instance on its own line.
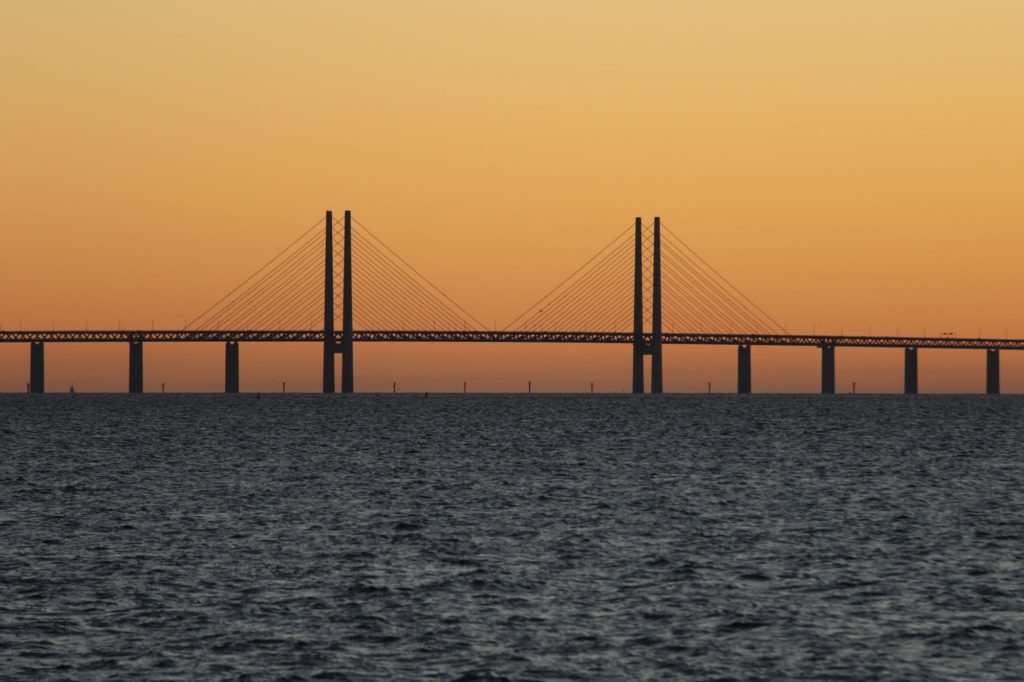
x=257 y=396
x=425 y=394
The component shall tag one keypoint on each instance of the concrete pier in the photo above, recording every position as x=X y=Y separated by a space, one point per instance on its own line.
x=910 y=371
x=231 y=373
x=992 y=372
x=828 y=369
x=743 y=383
x=37 y=367
x=135 y=366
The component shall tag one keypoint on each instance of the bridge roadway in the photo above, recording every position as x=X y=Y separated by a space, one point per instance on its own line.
x=483 y=336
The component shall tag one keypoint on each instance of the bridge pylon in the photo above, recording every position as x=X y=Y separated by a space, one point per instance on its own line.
x=656 y=386
x=347 y=362
x=641 y=346
x=328 y=379
x=331 y=346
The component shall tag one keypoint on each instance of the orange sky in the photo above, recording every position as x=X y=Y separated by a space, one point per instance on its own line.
x=854 y=166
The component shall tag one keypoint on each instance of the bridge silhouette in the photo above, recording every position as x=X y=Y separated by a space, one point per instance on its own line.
x=646 y=288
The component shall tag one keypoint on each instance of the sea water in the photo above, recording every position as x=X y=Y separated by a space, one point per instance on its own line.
x=522 y=537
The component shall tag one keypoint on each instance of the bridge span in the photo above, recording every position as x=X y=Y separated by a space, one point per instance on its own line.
x=708 y=303
x=490 y=336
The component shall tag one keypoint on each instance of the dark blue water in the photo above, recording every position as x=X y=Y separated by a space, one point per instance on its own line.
x=520 y=537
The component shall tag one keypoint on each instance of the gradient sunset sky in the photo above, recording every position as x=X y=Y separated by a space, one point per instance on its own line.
x=853 y=167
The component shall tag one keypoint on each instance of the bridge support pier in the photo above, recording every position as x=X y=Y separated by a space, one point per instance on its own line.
x=828 y=369
x=656 y=371
x=638 y=370
x=743 y=372
x=231 y=373
x=37 y=367
x=992 y=371
x=910 y=371
x=135 y=366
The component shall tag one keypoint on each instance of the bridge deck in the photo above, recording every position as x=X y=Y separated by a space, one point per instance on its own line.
x=482 y=336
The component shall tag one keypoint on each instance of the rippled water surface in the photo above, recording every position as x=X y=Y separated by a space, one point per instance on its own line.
x=523 y=537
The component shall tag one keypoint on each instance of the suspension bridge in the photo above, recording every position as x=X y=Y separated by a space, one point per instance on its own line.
x=646 y=289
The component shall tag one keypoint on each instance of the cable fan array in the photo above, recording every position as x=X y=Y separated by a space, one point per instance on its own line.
x=287 y=293
x=598 y=296
x=697 y=298
x=389 y=294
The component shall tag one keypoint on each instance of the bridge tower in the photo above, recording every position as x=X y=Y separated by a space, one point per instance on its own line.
x=328 y=379
x=640 y=345
x=347 y=365
x=331 y=346
x=656 y=311
x=638 y=307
